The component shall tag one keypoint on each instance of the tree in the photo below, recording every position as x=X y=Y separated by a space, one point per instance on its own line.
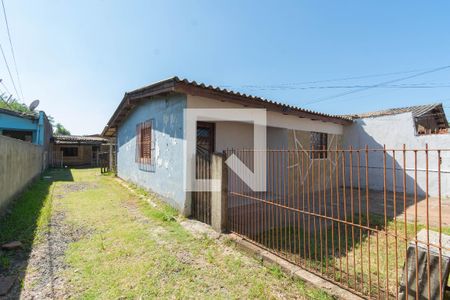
x=61 y=130
x=14 y=105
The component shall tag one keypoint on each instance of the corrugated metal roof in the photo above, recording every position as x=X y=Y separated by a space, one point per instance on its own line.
x=182 y=85
x=78 y=139
x=417 y=111
x=231 y=92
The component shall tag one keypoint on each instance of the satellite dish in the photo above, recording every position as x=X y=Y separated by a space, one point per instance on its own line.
x=33 y=105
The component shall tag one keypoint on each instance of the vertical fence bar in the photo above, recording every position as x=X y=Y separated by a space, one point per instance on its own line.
x=378 y=262
x=338 y=206
x=304 y=174
x=273 y=195
x=415 y=223
x=345 y=217
x=441 y=296
x=319 y=201
x=299 y=186
x=308 y=185
x=358 y=152
x=325 y=206
x=394 y=190
x=368 y=216
x=352 y=210
x=333 y=265
x=385 y=220
x=427 y=222
x=405 y=220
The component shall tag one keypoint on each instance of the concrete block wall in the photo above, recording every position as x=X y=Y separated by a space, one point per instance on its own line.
x=20 y=163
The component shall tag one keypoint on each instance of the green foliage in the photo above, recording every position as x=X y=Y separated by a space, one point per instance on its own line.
x=61 y=130
x=13 y=104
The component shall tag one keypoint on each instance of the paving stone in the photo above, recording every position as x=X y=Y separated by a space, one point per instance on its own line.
x=6 y=284
x=421 y=269
x=12 y=245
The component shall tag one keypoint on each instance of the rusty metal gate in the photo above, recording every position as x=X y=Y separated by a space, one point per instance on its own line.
x=355 y=217
x=201 y=200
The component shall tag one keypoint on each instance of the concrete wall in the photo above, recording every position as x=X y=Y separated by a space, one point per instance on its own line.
x=20 y=163
x=165 y=175
x=394 y=131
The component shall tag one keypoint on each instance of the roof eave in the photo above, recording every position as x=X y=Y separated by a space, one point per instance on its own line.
x=131 y=99
x=175 y=84
x=188 y=88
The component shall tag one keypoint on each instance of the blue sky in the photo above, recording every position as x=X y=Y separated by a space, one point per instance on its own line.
x=79 y=57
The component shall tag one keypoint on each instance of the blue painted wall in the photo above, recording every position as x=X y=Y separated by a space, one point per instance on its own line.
x=165 y=176
x=37 y=126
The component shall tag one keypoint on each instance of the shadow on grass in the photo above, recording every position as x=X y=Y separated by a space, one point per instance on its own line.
x=368 y=261
x=27 y=217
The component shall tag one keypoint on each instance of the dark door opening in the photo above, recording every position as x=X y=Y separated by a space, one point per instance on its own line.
x=201 y=200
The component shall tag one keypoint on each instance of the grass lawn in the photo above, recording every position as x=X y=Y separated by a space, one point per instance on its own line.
x=108 y=242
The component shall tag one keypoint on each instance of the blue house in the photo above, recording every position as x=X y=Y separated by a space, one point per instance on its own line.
x=30 y=127
x=150 y=132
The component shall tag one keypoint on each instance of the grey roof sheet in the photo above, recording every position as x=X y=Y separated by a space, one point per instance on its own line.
x=67 y=139
x=417 y=111
x=231 y=92
x=177 y=84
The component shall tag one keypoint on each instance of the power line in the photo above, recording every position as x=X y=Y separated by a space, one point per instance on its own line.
x=328 y=80
x=12 y=49
x=377 y=85
x=3 y=84
x=9 y=71
x=396 y=86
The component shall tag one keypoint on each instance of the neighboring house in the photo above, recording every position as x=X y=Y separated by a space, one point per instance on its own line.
x=72 y=150
x=415 y=127
x=30 y=127
x=149 y=129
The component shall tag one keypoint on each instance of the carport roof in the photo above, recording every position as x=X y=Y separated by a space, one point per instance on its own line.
x=184 y=86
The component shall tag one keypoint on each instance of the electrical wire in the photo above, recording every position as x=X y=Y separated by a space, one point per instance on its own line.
x=331 y=80
x=376 y=85
x=12 y=49
x=396 y=86
x=3 y=84
x=9 y=70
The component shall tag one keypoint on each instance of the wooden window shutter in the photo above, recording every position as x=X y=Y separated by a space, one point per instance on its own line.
x=144 y=143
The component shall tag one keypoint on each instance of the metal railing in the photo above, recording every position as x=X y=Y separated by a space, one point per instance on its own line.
x=201 y=200
x=351 y=216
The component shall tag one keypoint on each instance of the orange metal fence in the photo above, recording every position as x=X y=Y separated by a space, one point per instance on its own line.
x=352 y=215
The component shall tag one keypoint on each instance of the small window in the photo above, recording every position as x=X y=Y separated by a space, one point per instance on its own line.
x=69 y=151
x=319 y=145
x=144 y=143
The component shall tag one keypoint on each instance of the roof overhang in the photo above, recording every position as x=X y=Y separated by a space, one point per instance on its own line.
x=178 y=86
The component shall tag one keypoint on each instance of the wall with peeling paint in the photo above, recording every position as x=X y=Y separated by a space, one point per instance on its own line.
x=395 y=131
x=165 y=175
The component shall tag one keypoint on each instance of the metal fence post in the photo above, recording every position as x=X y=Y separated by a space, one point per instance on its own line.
x=219 y=199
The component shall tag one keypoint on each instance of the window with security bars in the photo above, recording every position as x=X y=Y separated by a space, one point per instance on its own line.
x=319 y=145
x=144 y=143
